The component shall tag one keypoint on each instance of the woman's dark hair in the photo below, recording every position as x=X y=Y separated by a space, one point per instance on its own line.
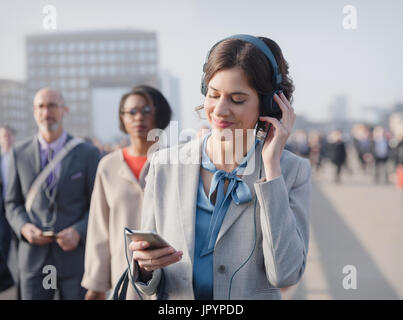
x=163 y=112
x=237 y=53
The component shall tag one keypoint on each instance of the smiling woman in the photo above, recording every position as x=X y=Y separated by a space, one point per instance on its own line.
x=230 y=101
x=243 y=224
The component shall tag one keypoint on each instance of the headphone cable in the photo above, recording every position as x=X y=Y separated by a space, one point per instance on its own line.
x=129 y=267
x=255 y=239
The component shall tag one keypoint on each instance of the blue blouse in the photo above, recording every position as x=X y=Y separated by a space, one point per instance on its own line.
x=209 y=219
x=203 y=265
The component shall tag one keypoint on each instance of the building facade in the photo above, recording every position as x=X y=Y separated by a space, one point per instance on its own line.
x=80 y=64
x=13 y=108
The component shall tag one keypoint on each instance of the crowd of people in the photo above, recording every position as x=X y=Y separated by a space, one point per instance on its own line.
x=377 y=150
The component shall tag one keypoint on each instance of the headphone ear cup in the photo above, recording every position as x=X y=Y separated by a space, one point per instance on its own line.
x=265 y=105
x=270 y=108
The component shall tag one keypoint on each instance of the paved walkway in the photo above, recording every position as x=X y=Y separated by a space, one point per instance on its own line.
x=354 y=223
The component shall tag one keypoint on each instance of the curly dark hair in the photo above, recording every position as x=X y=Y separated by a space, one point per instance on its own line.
x=163 y=111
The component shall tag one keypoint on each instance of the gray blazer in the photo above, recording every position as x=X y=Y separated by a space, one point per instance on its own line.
x=256 y=252
x=73 y=194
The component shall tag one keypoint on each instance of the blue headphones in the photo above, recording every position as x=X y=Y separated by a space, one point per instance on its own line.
x=268 y=106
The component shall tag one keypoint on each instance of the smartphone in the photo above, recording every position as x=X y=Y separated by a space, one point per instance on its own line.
x=50 y=234
x=155 y=241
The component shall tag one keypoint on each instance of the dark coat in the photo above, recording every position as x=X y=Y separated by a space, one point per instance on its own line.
x=337 y=152
x=73 y=195
x=5 y=231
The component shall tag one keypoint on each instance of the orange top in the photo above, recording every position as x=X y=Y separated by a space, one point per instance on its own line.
x=399 y=176
x=135 y=163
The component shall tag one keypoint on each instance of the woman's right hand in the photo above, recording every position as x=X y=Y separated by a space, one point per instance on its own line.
x=152 y=259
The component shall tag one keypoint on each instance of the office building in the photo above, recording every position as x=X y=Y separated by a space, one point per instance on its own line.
x=92 y=69
x=13 y=107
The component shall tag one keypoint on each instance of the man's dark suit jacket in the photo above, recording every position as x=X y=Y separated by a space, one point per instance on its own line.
x=5 y=234
x=73 y=195
x=6 y=280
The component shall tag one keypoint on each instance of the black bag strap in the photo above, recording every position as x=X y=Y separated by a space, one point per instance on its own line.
x=120 y=290
x=161 y=287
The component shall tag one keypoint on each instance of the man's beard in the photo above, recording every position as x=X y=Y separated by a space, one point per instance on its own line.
x=50 y=126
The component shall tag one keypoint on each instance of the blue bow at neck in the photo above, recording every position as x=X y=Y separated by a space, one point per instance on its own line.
x=237 y=190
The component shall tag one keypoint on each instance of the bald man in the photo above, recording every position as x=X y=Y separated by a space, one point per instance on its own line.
x=52 y=234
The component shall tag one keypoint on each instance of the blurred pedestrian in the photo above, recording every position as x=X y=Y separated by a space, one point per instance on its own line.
x=398 y=157
x=362 y=144
x=118 y=192
x=47 y=201
x=316 y=150
x=337 y=153
x=8 y=241
x=7 y=138
x=301 y=145
x=380 y=151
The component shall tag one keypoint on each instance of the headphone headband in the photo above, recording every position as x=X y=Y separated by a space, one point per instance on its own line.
x=277 y=78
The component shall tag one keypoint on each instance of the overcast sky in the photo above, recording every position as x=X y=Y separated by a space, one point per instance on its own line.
x=325 y=59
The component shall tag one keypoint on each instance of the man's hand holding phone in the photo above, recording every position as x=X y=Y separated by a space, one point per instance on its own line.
x=34 y=235
x=152 y=259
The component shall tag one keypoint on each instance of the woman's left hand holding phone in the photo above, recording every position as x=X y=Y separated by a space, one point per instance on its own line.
x=152 y=259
